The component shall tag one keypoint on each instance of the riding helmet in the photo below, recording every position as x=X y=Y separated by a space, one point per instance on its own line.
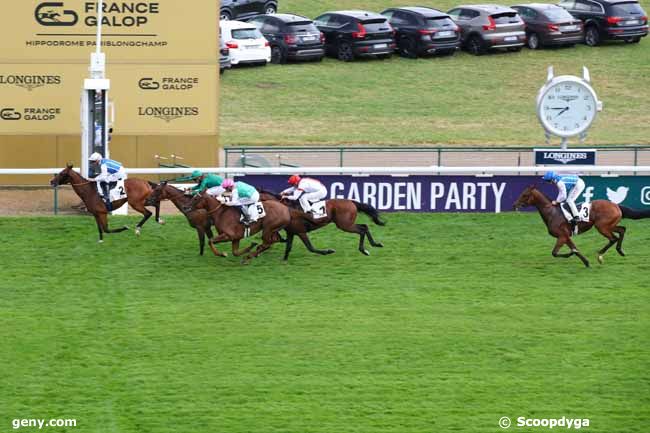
x=294 y=180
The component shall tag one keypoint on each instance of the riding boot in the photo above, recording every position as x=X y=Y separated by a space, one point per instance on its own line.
x=245 y=220
x=106 y=195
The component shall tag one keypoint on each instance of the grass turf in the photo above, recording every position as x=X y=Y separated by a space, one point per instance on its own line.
x=462 y=99
x=458 y=321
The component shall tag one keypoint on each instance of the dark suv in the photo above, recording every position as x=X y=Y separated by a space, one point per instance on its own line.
x=420 y=30
x=609 y=19
x=242 y=9
x=291 y=37
x=549 y=25
x=351 y=34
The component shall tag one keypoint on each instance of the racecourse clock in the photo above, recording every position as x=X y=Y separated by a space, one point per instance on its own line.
x=567 y=105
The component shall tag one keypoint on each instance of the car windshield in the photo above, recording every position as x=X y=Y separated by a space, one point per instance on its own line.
x=439 y=22
x=631 y=8
x=376 y=25
x=505 y=18
x=302 y=27
x=246 y=34
x=558 y=14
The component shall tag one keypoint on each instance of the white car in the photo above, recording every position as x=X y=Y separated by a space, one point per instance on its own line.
x=245 y=43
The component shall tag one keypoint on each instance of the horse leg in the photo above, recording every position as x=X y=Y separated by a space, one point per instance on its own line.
x=605 y=231
x=287 y=246
x=211 y=245
x=305 y=240
x=201 y=234
x=147 y=214
x=558 y=245
x=158 y=219
x=370 y=238
x=100 y=229
x=235 y=248
x=268 y=239
x=104 y=222
x=621 y=234
x=574 y=249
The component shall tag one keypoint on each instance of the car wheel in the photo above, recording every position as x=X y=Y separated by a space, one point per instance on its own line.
x=277 y=55
x=270 y=9
x=225 y=16
x=344 y=52
x=592 y=37
x=407 y=48
x=632 y=40
x=475 y=45
x=533 y=41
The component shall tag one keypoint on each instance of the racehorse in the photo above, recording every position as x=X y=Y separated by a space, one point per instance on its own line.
x=198 y=218
x=341 y=212
x=604 y=215
x=137 y=191
x=226 y=220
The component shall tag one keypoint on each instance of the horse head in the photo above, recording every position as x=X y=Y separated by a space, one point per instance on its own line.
x=156 y=195
x=63 y=177
x=527 y=198
x=199 y=201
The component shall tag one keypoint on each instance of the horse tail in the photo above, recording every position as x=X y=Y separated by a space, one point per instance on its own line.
x=634 y=214
x=370 y=211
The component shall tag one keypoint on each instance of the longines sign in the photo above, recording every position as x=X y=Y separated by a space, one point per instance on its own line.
x=565 y=157
x=134 y=31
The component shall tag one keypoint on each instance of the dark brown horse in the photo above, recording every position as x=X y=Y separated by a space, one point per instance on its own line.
x=226 y=221
x=604 y=215
x=198 y=218
x=341 y=212
x=137 y=191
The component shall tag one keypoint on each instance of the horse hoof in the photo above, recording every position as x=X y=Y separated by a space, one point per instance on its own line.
x=137 y=232
x=100 y=241
x=223 y=255
x=379 y=245
x=330 y=251
x=161 y=222
x=621 y=252
x=365 y=252
x=600 y=259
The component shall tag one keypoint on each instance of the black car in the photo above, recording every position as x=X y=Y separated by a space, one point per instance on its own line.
x=351 y=34
x=609 y=19
x=420 y=30
x=548 y=24
x=291 y=37
x=242 y=9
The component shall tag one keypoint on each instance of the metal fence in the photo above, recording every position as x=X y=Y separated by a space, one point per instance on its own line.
x=359 y=156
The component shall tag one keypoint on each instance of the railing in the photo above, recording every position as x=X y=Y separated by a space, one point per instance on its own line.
x=258 y=157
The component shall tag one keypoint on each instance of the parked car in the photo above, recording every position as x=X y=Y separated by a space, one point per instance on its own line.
x=291 y=37
x=245 y=43
x=224 y=54
x=486 y=27
x=351 y=34
x=420 y=30
x=242 y=9
x=548 y=24
x=609 y=19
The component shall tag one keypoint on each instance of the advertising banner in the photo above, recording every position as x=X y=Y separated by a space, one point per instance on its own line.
x=565 y=157
x=459 y=193
x=149 y=99
x=143 y=31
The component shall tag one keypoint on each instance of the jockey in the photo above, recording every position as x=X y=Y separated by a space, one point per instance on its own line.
x=211 y=182
x=306 y=190
x=570 y=187
x=110 y=173
x=243 y=195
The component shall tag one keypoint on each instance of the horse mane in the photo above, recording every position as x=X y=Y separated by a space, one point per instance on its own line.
x=536 y=188
x=274 y=194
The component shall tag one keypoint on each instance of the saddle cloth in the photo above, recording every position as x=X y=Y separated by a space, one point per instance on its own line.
x=256 y=211
x=319 y=209
x=584 y=210
x=117 y=191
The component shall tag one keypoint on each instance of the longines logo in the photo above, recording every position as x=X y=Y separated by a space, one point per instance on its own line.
x=116 y=14
x=168 y=113
x=30 y=82
x=168 y=83
x=30 y=113
x=566 y=157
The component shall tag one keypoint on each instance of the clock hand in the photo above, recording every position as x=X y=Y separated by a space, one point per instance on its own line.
x=562 y=112
x=557 y=108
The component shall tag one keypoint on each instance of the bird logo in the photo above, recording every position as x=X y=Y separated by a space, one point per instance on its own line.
x=619 y=195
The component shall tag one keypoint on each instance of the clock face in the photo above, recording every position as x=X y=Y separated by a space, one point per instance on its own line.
x=567 y=108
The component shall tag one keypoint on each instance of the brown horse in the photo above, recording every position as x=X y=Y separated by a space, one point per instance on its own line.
x=226 y=220
x=137 y=190
x=604 y=215
x=341 y=212
x=198 y=218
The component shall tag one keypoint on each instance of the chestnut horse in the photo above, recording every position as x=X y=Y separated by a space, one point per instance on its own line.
x=226 y=220
x=197 y=218
x=137 y=190
x=341 y=212
x=604 y=215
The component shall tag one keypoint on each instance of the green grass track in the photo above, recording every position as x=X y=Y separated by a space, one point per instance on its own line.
x=458 y=321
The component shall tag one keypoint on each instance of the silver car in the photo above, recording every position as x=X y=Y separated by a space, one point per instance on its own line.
x=486 y=27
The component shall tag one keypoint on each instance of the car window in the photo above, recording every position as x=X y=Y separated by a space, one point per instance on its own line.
x=270 y=27
x=506 y=18
x=323 y=20
x=631 y=8
x=582 y=6
x=399 y=18
x=376 y=24
x=568 y=4
x=454 y=13
x=468 y=14
x=558 y=14
x=388 y=14
x=439 y=22
x=246 y=34
x=301 y=27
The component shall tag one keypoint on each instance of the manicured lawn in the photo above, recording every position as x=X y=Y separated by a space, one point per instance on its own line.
x=458 y=321
x=462 y=99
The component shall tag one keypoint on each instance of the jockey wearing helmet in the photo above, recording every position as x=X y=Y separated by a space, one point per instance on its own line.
x=210 y=182
x=111 y=172
x=243 y=195
x=570 y=187
x=306 y=190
